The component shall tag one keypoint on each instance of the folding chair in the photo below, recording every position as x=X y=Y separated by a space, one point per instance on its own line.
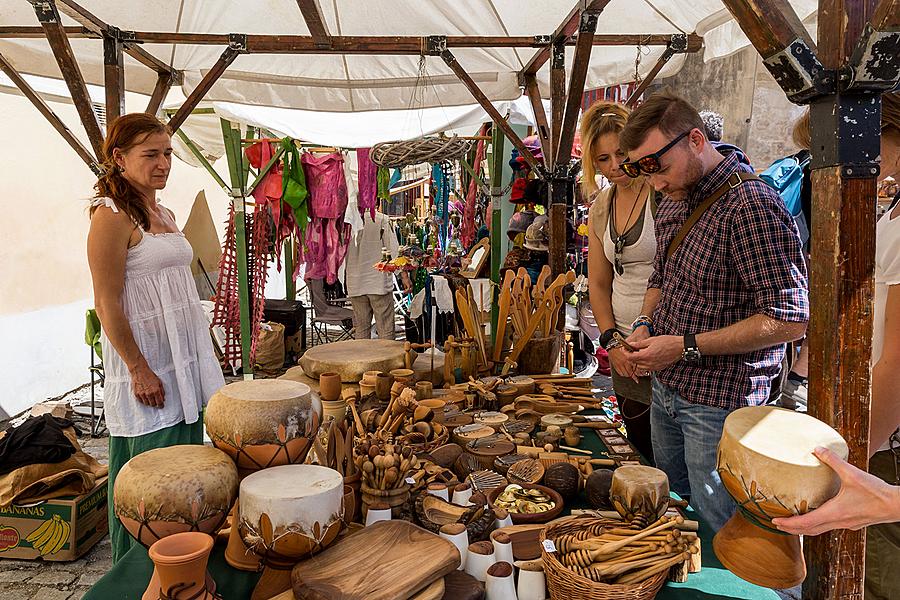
x=92 y=339
x=328 y=311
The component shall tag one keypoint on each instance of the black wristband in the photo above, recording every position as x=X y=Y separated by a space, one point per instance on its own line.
x=606 y=336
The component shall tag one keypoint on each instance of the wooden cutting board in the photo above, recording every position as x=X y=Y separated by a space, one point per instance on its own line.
x=352 y=358
x=385 y=561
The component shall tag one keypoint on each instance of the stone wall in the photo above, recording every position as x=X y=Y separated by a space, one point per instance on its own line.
x=758 y=116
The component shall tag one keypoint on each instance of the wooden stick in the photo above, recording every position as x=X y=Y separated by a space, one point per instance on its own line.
x=578 y=450
x=650 y=571
x=665 y=523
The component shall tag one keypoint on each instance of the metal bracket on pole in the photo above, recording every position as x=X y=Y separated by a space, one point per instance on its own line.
x=435 y=44
x=541 y=40
x=874 y=64
x=799 y=73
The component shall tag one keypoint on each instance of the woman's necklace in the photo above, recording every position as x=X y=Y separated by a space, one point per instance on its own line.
x=620 y=238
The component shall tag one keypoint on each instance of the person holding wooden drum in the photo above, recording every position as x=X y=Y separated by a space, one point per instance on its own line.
x=158 y=358
x=728 y=290
x=621 y=247
x=864 y=499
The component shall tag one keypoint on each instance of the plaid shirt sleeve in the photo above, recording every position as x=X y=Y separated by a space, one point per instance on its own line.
x=768 y=257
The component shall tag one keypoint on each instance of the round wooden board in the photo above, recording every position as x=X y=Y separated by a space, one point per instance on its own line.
x=352 y=358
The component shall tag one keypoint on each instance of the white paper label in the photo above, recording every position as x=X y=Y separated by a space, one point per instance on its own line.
x=549 y=546
x=410 y=481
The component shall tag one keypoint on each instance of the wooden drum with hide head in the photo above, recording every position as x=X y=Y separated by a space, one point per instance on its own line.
x=766 y=463
x=263 y=422
x=639 y=493
x=170 y=490
x=289 y=513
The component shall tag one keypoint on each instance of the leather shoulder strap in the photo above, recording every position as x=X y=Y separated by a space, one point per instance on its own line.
x=733 y=182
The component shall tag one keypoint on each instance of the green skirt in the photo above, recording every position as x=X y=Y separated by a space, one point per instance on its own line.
x=123 y=449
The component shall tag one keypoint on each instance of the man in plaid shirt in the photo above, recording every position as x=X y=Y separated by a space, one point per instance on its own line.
x=718 y=312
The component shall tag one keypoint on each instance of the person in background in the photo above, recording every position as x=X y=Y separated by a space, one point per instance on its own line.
x=621 y=247
x=869 y=499
x=369 y=290
x=714 y=125
x=720 y=304
x=158 y=357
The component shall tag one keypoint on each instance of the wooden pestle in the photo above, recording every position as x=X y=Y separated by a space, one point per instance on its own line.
x=650 y=571
x=610 y=547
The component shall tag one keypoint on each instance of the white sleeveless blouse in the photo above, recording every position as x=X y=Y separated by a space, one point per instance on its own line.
x=163 y=308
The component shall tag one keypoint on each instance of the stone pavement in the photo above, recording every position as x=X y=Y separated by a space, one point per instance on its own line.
x=45 y=580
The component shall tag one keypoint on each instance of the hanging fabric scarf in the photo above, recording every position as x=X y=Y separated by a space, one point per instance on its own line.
x=368 y=183
x=294 y=191
x=467 y=232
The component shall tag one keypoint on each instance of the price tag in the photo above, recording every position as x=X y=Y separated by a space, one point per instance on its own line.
x=410 y=481
x=549 y=546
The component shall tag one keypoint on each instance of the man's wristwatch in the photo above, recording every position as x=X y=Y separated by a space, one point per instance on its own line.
x=691 y=351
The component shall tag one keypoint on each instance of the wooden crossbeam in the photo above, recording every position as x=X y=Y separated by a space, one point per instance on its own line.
x=51 y=116
x=49 y=18
x=671 y=50
x=887 y=16
x=557 y=99
x=489 y=108
x=305 y=44
x=873 y=64
x=582 y=58
x=113 y=78
x=771 y=25
x=203 y=87
x=160 y=91
x=564 y=32
x=96 y=25
x=315 y=22
x=540 y=116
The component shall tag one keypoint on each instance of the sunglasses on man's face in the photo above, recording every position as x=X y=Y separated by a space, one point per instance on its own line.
x=649 y=164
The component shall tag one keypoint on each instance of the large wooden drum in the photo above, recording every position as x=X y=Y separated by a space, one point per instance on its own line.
x=289 y=513
x=263 y=422
x=766 y=463
x=175 y=489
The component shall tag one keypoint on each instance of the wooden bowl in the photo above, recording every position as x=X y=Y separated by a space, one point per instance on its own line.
x=526 y=518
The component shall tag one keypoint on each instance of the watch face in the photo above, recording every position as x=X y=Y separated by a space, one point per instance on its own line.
x=691 y=355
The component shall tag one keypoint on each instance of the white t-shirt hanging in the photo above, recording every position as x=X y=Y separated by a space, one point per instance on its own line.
x=887 y=273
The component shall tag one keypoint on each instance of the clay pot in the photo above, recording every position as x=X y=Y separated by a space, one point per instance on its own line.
x=383 y=383
x=424 y=389
x=236 y=552
x=330 y=386
x=180 y=560
x=394 y=498
x=336 y=410
x=403 y=375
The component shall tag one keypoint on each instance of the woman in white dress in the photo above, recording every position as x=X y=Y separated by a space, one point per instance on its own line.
x=157 y=354
x=621 y=247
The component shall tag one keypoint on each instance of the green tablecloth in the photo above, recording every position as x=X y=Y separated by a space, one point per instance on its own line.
x=129 y=578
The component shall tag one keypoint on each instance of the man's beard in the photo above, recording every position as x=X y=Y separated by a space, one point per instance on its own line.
x=693 y=172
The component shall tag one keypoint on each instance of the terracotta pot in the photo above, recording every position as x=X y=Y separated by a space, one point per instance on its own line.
x=180 y=561
x=394 y=498
x=330 y=386
x=383 y=383
x=237 y=554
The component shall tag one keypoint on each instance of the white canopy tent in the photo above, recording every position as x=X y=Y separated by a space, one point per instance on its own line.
x=364 y=82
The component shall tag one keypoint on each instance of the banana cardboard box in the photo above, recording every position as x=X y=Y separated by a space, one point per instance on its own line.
x=61 y=529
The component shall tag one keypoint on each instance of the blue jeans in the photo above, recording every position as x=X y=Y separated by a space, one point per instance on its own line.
x=685 y=439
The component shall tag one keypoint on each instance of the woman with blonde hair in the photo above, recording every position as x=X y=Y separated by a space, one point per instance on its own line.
x=621 y=247
x=158 y=359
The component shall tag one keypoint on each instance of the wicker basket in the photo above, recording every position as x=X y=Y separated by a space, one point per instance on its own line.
x=564 y=583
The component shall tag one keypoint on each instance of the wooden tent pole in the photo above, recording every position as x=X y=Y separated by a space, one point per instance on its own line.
x=563 y=33
x=845 y=127
x=315 y=22
x=227 y=57
x=678 y=44
x=530 y=84
x=160 y=91
x=583 y=47
x=52 y=23
x=51 y=116
x=489 y=108
x=113 y=78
